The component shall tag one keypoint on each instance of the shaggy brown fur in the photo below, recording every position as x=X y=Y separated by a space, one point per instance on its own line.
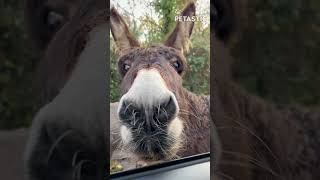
x=197 y=124
x=259 y=140
x=194 y=109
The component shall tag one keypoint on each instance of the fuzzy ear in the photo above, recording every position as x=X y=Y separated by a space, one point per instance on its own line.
x=120 y=32
x=230 y=18
x=180 y=36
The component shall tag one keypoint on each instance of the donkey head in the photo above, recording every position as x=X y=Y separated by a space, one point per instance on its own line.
x=152 y=92
x=69 y=130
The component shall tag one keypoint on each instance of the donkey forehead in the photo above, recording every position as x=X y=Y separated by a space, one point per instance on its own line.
x=153 y=52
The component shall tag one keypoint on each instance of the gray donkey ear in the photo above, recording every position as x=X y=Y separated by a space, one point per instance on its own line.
x=180 y=36
x=120 y=32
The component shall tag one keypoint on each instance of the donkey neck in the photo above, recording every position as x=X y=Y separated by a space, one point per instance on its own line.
x=280 y=133
x=197 y=104
x=195 y=114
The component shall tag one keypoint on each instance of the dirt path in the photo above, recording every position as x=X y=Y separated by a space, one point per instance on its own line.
x=126 y=159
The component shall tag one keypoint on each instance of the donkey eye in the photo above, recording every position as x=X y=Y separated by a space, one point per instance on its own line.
x=54 y=20
x=126 y=67
x=177 y=65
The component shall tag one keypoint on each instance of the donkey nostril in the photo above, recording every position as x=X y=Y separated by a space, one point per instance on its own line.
x=136 y=113
x=166 y=111
x=167 y=102
x=170 y=106
x=127 y=110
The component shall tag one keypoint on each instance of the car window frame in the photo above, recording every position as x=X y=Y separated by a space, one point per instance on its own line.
x=161 y=167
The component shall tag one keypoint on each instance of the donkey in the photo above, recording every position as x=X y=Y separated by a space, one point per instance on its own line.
x=68 y=134
x=259 y=140
x=160 y=119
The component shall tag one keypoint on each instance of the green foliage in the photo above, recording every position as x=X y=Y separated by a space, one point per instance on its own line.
x=278 y=55
x=167 y=10
x=197 y=78
x=115 y=78
x=17 y=104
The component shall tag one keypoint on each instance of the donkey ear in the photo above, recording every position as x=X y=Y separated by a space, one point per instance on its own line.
x=120 y=32
x=180 y=36
x=230 y=18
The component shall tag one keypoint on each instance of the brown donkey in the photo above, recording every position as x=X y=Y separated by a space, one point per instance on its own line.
x=67 y=139
x=159 y=118
x=259 y=140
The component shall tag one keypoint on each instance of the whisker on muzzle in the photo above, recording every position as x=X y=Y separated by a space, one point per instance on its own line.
x=56 y=143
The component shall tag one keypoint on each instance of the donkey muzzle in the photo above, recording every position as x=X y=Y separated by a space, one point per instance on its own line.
x=149 y=114
x=149 y=128
x=149 y=118
x=148 y=102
